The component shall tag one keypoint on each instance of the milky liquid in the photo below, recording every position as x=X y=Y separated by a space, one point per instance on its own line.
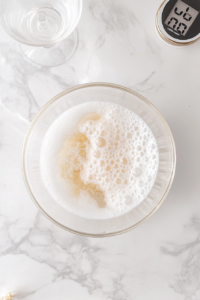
x=99 y=160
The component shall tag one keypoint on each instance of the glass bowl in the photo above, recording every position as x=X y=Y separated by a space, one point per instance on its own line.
x=103 y=92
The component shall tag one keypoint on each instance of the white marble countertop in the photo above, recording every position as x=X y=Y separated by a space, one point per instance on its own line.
x=160 y=259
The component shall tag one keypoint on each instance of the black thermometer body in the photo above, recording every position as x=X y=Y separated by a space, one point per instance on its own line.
x=178 y=22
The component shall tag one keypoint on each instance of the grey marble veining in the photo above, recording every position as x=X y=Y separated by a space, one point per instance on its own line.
x=160 y=258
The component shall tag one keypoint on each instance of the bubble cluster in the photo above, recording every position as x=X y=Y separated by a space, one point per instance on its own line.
x=116 y=155
x=122 y=158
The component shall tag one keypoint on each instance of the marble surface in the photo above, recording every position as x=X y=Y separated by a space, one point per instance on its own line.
x=161 y=258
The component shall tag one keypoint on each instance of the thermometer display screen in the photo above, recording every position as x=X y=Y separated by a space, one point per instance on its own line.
x=181 y=17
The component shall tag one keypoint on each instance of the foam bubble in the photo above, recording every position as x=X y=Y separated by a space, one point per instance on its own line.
x=99 y=160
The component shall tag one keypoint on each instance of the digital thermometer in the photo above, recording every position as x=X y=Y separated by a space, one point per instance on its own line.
x=178 y=22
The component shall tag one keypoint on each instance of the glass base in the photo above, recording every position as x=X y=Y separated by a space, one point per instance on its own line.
x=53 y=55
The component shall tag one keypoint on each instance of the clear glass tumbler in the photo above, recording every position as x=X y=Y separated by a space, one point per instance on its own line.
x=45 y=28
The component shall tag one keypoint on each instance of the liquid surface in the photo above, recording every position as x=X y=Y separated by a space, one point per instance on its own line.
x=99 y=160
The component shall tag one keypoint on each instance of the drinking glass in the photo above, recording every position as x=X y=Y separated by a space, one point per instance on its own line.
x=44 y=28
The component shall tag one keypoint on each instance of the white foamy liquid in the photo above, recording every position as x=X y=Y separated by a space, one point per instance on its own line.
x=129 y=151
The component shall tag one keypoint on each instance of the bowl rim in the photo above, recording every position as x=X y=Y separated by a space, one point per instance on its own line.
x=70 y=90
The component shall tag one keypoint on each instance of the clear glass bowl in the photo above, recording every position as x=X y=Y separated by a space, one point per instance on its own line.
x=106 y=93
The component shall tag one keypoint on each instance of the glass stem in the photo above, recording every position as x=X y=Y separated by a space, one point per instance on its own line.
x=43 y=23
